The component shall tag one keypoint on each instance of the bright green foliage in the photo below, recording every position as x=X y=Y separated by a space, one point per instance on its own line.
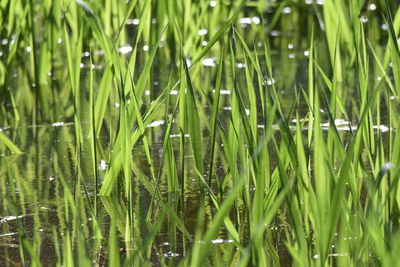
x=199 y=133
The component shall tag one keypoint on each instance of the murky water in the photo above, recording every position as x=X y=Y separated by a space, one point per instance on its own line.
x=34 y=209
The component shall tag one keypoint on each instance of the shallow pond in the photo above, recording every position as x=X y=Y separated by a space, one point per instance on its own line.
x=50 y=209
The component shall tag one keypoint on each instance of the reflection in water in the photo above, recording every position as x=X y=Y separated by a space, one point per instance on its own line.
x=49 y=192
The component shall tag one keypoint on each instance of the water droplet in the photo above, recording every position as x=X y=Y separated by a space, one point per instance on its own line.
x=103 y=165
x=125 y=49
x=271 y=81
x=203 y=32
x=275 y=33
x=220 y=241
x=286 y=10
x=256 y=20
x=245 y=21
x=363 y=19
x=133 y=21
x=208 y=62
x=372 y=7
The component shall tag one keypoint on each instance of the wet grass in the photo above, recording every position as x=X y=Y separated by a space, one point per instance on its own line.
x=175 y=133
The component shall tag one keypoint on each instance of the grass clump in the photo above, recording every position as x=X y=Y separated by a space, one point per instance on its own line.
x=196 y=133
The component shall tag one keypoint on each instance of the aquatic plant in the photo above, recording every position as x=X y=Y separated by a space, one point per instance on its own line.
x=199 y=133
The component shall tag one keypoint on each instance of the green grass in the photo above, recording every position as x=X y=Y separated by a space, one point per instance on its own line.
x=231 y=135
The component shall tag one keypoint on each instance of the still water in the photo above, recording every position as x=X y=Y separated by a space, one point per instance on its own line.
x=38 y=186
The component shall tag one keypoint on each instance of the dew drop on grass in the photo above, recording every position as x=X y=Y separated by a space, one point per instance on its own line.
x=256 y=20
x=223 y=92
x=132 y=22
x=286 y=10
x=103 y=165
x=221 y=241
x=245 y=21
x=156 y=123
x=203 y=32
x=274 y=33
x=372 y=7
x=363 y=19
x=271 y=81
x=208 y=62
x=171 y=254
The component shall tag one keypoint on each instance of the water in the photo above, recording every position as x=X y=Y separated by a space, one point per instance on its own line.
x=35 y=187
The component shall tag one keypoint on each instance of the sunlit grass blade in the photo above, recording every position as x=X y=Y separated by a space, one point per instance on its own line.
x=9 y=144
x=193 y=122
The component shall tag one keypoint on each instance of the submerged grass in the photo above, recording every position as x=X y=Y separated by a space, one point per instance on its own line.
x=199 y=133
